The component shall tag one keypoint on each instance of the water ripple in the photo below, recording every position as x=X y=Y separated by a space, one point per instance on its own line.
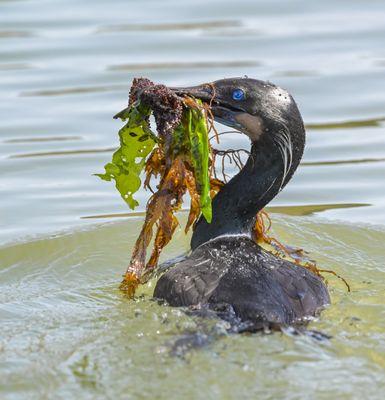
x=298 y=210
x=370 y=122
x=63 y=153
x=341 y=162
x=73 y=90
x=43 y=139
x=177 y=26
x=15 y=34
x=183 y=65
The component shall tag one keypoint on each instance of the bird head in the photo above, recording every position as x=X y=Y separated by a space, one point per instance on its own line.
x=253 y=107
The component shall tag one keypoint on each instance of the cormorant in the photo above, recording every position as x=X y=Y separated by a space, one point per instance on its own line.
x=227 y=271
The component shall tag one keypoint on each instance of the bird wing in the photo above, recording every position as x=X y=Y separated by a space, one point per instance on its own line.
x=191 y=281
x=283 y=294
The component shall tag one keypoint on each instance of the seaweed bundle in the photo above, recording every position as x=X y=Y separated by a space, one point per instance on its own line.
x=178 y=154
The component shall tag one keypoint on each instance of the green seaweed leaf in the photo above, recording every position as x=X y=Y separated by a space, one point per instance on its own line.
x=199 y=141
x=136 y=143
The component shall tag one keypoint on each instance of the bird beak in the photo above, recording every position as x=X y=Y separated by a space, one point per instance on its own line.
x=223 y=113
x=204 y=92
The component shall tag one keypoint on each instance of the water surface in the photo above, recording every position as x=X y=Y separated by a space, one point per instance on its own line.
x=65 y=236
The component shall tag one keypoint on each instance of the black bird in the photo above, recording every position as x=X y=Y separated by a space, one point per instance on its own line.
x=227 y=271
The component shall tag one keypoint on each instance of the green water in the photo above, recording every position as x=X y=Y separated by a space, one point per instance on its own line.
x=65 y=236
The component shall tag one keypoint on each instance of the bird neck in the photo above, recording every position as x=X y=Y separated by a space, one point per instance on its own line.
x=236 y=205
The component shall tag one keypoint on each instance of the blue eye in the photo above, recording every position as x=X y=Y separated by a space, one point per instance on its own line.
x=238 y=94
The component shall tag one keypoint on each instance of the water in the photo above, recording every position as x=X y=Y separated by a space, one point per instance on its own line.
x=66 y=330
